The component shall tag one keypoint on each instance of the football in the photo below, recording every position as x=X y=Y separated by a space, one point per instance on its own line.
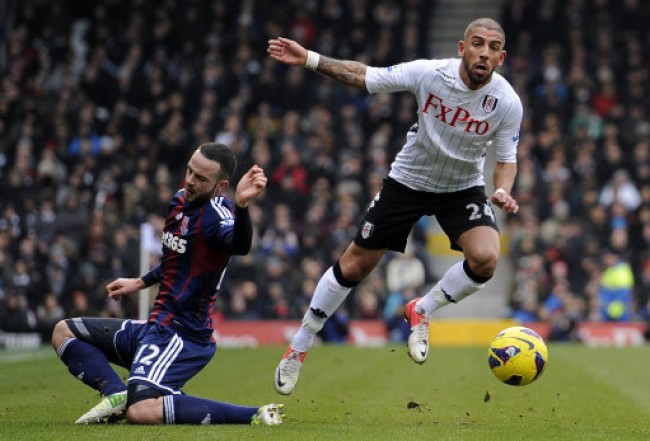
x=517 y=356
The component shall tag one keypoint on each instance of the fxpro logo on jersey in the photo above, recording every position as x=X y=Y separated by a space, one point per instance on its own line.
x=455 y=116
x=174 y=242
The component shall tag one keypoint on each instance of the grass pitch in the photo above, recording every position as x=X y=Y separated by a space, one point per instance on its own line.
x=348 y=393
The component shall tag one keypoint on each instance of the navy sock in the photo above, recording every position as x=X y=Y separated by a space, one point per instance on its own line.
x=185 y=409
x=90 y=365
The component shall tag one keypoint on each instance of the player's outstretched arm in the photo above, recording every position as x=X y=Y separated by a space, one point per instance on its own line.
x=351 y=73
x=287 y=51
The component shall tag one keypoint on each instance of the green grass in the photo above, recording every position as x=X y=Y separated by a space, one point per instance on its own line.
x=348 y=393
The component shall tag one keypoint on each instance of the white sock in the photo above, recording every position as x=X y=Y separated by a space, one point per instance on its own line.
x=328 y=296
x=455 y=283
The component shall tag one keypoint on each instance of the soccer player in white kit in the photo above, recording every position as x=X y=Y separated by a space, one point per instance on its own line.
x=464 y=108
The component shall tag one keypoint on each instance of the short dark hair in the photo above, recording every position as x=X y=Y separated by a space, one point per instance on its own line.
x=487 y=23
x=222 y=154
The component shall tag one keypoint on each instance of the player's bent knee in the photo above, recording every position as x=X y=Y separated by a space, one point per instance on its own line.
x=484 y=262
x=356 y=266
x=147 y=411
x=60 y=334
x=489 y=261
x=484 y=255
x=143 y=405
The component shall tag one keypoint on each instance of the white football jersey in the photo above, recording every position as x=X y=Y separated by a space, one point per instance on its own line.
x=445 y=150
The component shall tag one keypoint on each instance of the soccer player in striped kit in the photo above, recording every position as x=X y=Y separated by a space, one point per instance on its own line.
x=464 y=108
x=202 y=231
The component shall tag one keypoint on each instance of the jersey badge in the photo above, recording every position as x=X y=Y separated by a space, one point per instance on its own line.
x=184 y=225
x=367 y=229
x=489 y=103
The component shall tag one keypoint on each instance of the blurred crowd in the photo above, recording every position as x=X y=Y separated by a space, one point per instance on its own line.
x=580 y=244
x=102 y=103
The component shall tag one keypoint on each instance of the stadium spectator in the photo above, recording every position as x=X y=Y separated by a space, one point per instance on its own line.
x=48 y=313
x=405 y=270
x=17 y=316
x=615 y=300
x=406 y=275
x=245 y=302
x=562 y=310
x=621 y=190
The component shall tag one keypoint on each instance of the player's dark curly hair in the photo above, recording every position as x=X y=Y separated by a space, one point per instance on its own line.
x=222 y=154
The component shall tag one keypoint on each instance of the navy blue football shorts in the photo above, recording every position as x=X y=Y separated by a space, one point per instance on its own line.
x=157 y=357
x=396 y=208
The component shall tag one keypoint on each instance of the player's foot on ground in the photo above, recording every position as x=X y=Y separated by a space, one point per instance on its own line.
x=418 y=341
x=268 y=415
x=288 y=371
x=109 y=407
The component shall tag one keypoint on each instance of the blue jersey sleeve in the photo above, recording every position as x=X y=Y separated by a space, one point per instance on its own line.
x=152 y=276
x=241 y=239
x=230 y=227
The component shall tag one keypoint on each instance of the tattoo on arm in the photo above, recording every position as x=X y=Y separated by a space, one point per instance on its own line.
x=351 y=73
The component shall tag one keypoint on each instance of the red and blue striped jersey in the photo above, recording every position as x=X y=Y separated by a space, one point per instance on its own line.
x=197 y=243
